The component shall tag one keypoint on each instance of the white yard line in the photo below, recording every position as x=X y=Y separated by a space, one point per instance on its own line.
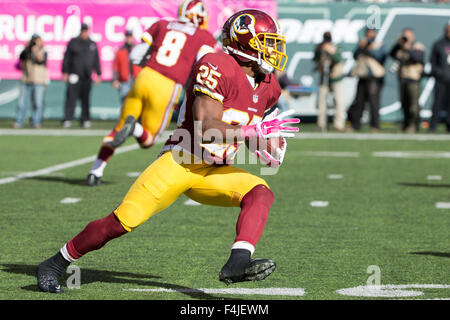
x=301 y=135
x=373 y=136
x=55 y=132
x=70 y=200
x=134 y=174
x=442 y=205
x=412 y=154
x=297 y=292
x=338 y=154
x=69 y=164
x=390 y=290
x=319 y=204
x=63 y=166
x=434 y=177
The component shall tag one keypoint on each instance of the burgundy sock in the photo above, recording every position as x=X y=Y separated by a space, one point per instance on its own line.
x=105 y=153
x=145 y=140
x=95 y=235
x=255 y=206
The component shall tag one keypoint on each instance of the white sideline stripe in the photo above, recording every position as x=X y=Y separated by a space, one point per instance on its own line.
x=335 y=176
x=297 y=292
x=443 y=205
x=63 y=166
x=302 y=135
x=15 y=173
x=54 y=132
x=338 y=154
x=373 y=136
x=412 y=154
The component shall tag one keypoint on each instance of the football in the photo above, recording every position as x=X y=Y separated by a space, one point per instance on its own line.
x=273 y=144
x=270 y=145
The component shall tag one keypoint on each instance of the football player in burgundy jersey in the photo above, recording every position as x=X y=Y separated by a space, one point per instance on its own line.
x=175 y=46
x=228 y=95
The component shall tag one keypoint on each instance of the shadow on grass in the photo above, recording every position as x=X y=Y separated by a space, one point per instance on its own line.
x=432 y=253
x=425 y=185
x=91 y=276
x=72 y=181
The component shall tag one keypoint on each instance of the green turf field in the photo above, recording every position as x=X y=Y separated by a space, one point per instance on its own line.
x=381 y=219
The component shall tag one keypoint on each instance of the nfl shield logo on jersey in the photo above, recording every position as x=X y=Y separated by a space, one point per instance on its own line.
x=255 y=98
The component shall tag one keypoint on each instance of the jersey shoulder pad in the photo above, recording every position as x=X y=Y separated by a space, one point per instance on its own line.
x=219 y=61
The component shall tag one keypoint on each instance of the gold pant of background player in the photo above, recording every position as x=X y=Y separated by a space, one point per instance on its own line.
x=150 y=99
x=165 y=180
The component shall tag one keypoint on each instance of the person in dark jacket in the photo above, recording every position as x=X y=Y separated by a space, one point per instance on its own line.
x=330 y=65
x=81 y=59
x=370 y=56
x=409 y=55
x=440 y=70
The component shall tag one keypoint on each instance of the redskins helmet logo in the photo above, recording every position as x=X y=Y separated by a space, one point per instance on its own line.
x=242 y=25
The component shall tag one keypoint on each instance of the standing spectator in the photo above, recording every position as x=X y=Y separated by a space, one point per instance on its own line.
x=122 y=66
x=80 y=60
x=330 y=65
x=33 y=60
x=409 y=55
x=440 y=69
x=370 y=56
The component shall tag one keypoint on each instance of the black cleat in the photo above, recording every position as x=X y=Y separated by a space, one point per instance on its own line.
x=49 y=272
x=241 y=268
x=92 y=180
x=125 y=132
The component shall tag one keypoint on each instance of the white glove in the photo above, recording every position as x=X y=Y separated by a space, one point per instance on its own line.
x=273 y=161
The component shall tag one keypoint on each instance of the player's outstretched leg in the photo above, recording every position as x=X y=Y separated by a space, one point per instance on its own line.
x=94 y=236
x=255 y=206
x=126 y=131
x=96 y=171
x=112 y=141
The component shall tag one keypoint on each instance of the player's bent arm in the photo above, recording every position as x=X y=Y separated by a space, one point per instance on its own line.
x=208 y=114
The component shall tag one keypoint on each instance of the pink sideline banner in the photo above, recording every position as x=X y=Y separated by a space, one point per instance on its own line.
x=57 y=21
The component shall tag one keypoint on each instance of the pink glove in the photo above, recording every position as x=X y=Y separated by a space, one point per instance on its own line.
x=271 y=127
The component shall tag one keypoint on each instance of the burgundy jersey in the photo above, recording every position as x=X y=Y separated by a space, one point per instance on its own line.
x=219 y=76
x=175 y=46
